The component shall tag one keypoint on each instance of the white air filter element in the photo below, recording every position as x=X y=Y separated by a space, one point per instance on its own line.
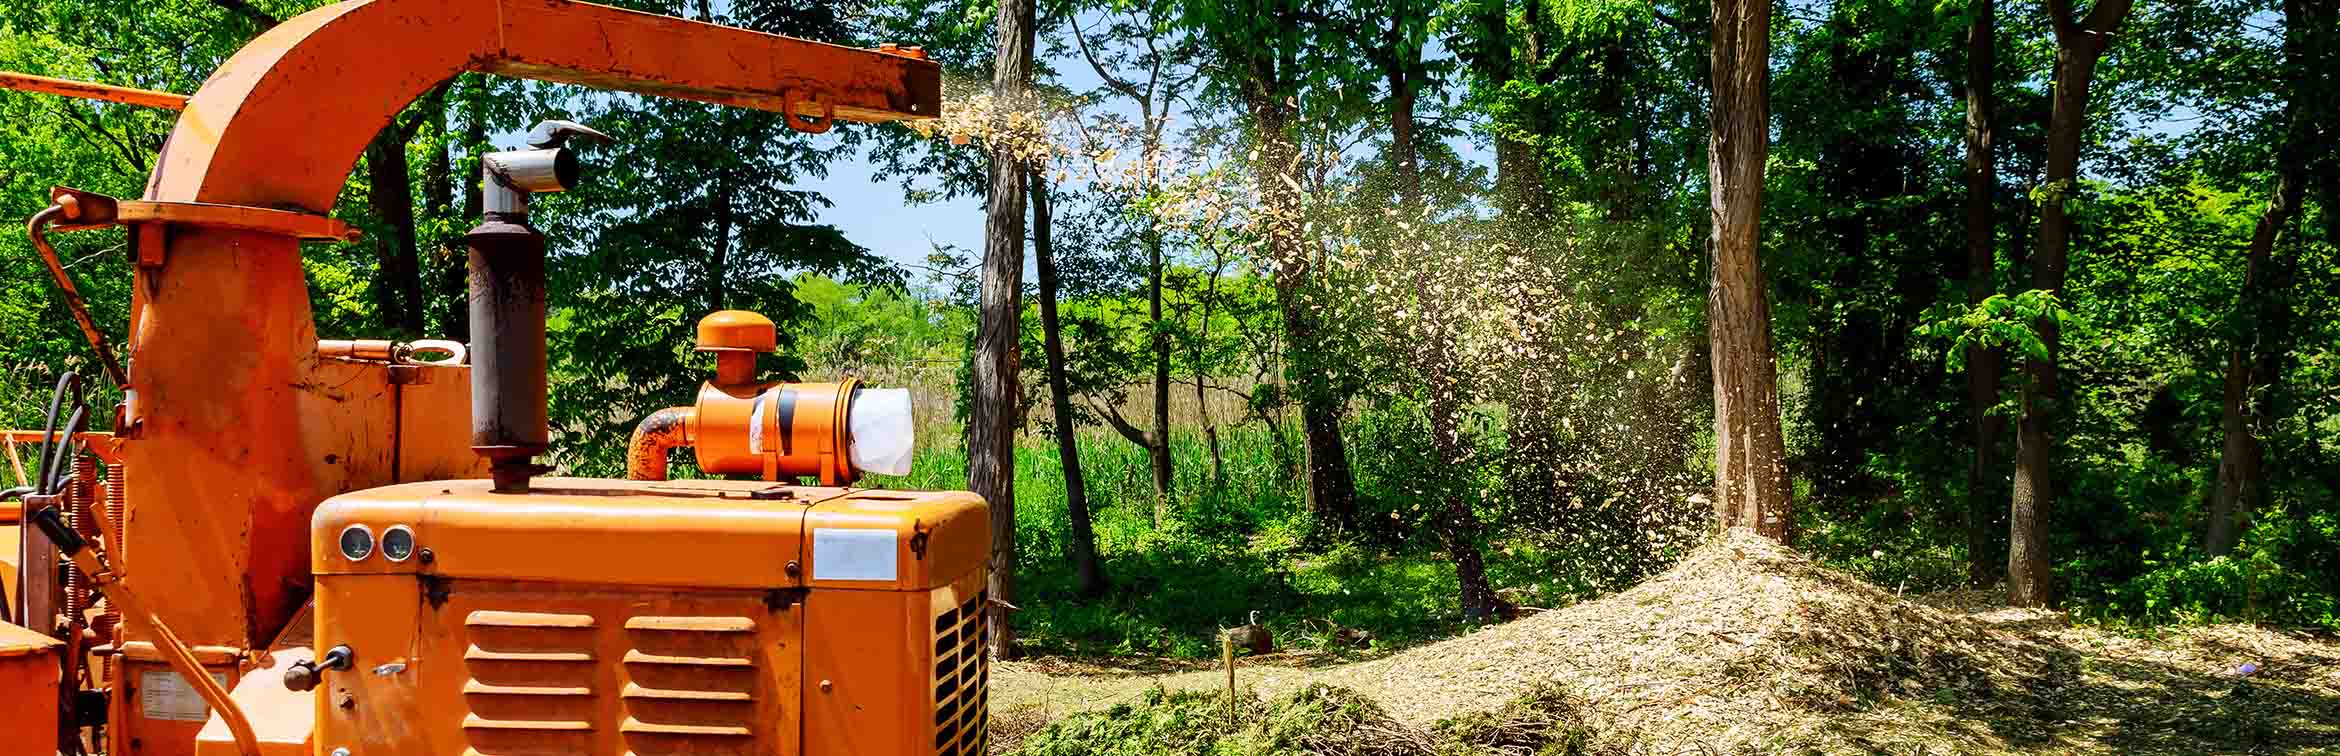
x=883 y=431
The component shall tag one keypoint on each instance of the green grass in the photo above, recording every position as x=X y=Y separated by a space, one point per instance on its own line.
x=1222 y=550
x=1317 y=720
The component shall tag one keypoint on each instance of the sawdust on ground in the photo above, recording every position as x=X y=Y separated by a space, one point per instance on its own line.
x=1748 y=647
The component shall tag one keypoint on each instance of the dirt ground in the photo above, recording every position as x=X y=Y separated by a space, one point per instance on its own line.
x=1749 y=648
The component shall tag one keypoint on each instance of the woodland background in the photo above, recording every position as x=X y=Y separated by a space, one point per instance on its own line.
x=1398 y=315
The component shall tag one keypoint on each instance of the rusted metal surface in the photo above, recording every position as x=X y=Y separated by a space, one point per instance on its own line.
x=280 y=124
x=24 y=82
x=508 y=410
x=661 y=432
x=239 y=427
x=305 y=226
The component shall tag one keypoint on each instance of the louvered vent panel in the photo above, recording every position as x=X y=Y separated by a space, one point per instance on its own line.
x=596 y=676
x=961 y=676
x=691 y=685
x=531 y=679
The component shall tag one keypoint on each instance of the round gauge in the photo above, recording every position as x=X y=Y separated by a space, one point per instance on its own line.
x=357 y=542
x=398 y=543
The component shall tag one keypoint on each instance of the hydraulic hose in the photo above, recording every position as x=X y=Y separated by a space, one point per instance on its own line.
x=662 y=431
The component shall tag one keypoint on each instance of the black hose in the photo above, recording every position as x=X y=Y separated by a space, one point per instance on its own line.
x=64 y=449
x=70 y=381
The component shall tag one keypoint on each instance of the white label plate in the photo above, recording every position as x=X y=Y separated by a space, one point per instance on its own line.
x=163 y=694
x=854 y=554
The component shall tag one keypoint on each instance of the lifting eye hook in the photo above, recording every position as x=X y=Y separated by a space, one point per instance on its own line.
x=790 y=102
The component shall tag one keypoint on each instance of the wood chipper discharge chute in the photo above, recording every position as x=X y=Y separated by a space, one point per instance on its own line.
x=349 y=547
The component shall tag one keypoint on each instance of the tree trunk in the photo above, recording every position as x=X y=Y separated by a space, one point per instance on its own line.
x=1158 y=445
x=1751 y=485
x=992 y=416
x=390 y=195
x=1332 y=489
x=1982 y=363
x=2079 y=43
x=1402 y=60
x=2252 y=364
x=1088 y=576
x=1460 y=524
x=1531 y=442
x=1202 y=410
x=2311 y=52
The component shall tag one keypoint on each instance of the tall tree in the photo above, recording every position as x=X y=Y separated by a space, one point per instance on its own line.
x=993 y=416
x=1404 y=75
x=2080 y=42
x=1088 y=576
x=1982 y=265
x=1256 y=47
x=390 y=194
x=2254 y=361
x=1751 y=484
x=1149 y=65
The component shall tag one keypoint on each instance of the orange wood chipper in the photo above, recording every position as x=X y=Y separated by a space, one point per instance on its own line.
x=277 y=544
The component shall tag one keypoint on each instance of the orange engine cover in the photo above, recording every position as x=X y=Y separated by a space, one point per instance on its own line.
x=615 y=617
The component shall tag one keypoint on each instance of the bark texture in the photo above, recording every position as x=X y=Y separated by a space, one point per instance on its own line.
x=1751 y=483
x=2080 y=42
x=1268 y=66
x=2253 y=364
x=992 y=418
x=1982 y=363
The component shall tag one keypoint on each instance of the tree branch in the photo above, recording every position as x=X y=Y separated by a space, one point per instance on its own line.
x=2107 y=15
x=1668 y=19
x=409 y=126
x=250 y=11
x=1113 y=417
x=1081 y=39
x=129 y=157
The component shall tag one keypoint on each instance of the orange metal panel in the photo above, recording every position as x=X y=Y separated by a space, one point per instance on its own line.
x=937 y=536
x=697 y=533
x=282 y=720
x=434 y=426
x=537 y=667
x=10 y=543
x=154 y=712
x=281 y=122
x=28 y=692
x=876 y=691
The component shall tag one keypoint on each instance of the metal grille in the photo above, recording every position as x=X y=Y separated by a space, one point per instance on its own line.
x=962 y=673
x=602 y=678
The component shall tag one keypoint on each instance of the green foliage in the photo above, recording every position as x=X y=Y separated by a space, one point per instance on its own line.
x=2000 y=322
x=2282 y=573
x=1315 y=720
x=1180 y=723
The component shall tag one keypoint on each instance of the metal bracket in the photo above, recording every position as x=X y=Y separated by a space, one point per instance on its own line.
x=86 y=210
x=792 y=100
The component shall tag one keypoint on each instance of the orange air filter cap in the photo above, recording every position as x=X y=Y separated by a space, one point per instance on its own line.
x=738 y=331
